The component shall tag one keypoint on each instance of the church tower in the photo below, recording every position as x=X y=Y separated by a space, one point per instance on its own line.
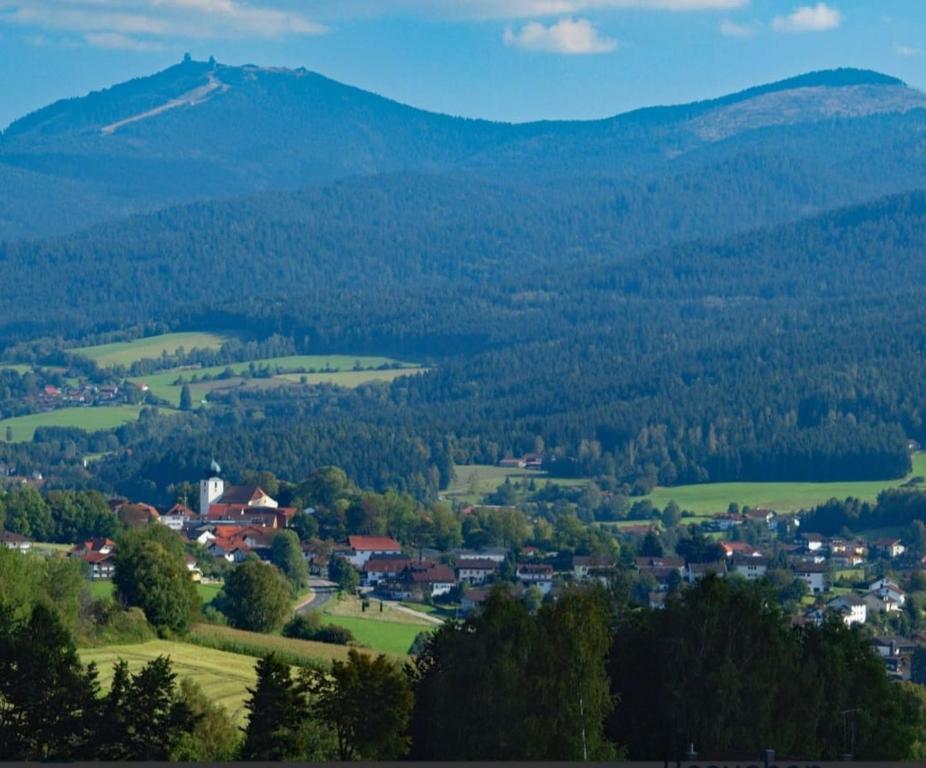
x=210 y=489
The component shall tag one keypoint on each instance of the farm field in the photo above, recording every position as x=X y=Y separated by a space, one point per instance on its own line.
x=18 y=367
x=149 y=348
x=473 y=481
x=257 y=644
x=91 y=419
x=334 y=369
x=713 y=498
x=224 y=676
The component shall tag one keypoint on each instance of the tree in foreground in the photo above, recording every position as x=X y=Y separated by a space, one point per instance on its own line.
x=506 y=685
x=280 y=726
x=143 y=716
x=722 y=668
x=367 y=702
x=214 y=737
x=47 y=699
x=255 y=597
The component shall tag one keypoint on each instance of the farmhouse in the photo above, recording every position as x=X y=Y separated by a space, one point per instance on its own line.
x=751 y=567
x=476 y=571
x=813 y=575
x=136 y=515
x=536 y=574
x=813 y=542
x=742 y=548
x=382 y=568
x=15 y=541
x=586 y=567
x=362 y=548
x=697 y=571
x=852 y=608
x=100 y=566
x=177 y=517
x=888 y=547
x=420 y=581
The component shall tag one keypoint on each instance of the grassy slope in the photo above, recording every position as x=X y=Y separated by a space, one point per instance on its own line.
x=386 y=631
x=128 y=352
x=474 y=481
x=341 y=371
x=90 y=419
x=713 y=498
x=223 y=676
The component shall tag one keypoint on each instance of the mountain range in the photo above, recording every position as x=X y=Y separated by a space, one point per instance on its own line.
x=203 y=130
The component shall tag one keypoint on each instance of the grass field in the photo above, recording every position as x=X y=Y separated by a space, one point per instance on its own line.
x=104 y=588
x=713 y=498
x=224 y=676
x=473 y=481
x=386 y=631
x=18 y=367
x=332 y=369
x=257 y=644
x=150 y=348
x=90 y=419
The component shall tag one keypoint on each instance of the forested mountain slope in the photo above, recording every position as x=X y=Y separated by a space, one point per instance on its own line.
x=789 y=353
x=200 y=131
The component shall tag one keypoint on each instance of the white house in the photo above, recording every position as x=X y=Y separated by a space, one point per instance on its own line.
x=362 y=548
x=813 y=575
x=813 y=542
x=852 y=608
x=15 y=541
x=539 y=575
x=889 y=593
x=476 y=571
x=752 y=568
x=496 y=554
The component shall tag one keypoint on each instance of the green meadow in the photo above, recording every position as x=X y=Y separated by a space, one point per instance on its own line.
x=713 y=498
x=92 y=419
x=333 y=369
x=149 y=348
x=472 y=482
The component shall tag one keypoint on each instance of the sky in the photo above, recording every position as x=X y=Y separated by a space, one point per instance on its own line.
x=512 y=60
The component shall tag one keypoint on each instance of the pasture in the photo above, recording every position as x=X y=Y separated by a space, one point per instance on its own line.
x=389 y=630
x=93 y=419
x=343 y=370
x=148 y=348
x=472 y=482
x=223 y=676
x=713 y=498
x=101 y=588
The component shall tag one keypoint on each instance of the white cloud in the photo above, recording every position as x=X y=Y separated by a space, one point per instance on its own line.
x=730 y=28
x=507 y=9
x=116 y=41
x=910 y=51
x=144 y=24
x=808 y=18
x=569 y=36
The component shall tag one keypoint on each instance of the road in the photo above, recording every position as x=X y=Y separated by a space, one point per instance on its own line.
x=322 y=591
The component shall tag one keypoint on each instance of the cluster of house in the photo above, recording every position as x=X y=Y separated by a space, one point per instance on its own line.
x=99 y=553
x=394 y=574
x=83 y=394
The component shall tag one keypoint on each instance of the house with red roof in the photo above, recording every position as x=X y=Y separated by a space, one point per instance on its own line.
x=362 y=548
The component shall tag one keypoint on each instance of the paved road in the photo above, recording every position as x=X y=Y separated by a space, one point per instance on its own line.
x=322 y=591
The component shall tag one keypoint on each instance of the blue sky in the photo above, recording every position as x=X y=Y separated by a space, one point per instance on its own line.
x=501 y=59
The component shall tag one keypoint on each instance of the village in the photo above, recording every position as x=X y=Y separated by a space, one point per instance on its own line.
x=867 y=583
